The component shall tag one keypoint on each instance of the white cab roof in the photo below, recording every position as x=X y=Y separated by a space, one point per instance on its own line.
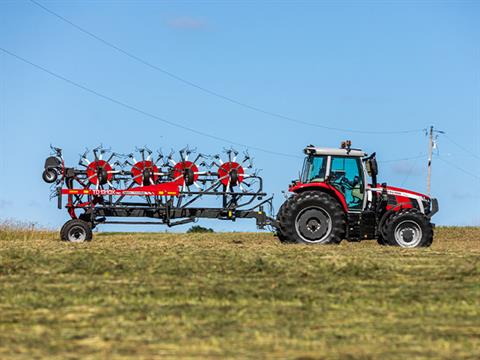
x=334 y=151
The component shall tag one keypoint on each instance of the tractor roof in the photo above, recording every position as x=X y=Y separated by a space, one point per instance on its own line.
x=313 y=150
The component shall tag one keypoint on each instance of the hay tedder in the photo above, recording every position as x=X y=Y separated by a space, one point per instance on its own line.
x=331 y=201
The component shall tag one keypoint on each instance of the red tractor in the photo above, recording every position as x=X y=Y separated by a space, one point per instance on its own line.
x=334 y=200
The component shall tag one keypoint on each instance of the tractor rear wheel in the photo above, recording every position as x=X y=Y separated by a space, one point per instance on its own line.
x=409 y=228
x=281 y=223
x=313 y=217
x=76 y=230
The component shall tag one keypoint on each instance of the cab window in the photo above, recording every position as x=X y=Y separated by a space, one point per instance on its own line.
x=346 y=175
x=314 y=169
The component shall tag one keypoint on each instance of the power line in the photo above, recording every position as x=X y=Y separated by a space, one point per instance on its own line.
x=461 y=147
x=402 y=159
x=459 y=168
x=211 y=92
x=143 y=112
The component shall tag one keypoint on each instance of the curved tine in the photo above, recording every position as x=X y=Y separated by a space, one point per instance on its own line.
x=169 y=159
x=83 y=158
x=159 y=157
x=112 y=155
x=217 y=157
x=141 y=151
x=132 y=156
x=104 y=151
x=229 y=153
x=182 y=154
x=235 y=154
x=118 y=164
x=192 y=151
x=199 y=156
x=95 y=153
x=246 y=157
x=96 y=150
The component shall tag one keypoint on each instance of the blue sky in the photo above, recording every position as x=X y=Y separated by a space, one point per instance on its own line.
x=374 y=66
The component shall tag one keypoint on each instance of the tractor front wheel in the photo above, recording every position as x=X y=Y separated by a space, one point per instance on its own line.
x=409 y=228
x=76 y=230
x=313 y=217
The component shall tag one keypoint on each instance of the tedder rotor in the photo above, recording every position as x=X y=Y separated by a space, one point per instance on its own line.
x=336 y=197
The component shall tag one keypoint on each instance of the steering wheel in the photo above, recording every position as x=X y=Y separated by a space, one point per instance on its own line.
x=347 y=184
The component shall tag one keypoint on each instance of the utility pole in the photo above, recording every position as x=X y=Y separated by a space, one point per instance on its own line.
x=430 y=151
x=431 y=145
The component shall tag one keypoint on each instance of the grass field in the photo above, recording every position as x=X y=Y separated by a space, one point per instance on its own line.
x=237 y=295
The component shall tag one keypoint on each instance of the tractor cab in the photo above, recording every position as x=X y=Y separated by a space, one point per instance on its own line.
x=342 y=170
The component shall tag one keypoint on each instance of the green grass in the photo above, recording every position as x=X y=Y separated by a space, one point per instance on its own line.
x=237 y=295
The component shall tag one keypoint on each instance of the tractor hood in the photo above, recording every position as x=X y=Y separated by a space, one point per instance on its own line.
x=392 y=190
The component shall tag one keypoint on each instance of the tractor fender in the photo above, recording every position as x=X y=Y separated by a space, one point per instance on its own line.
x=321 y=186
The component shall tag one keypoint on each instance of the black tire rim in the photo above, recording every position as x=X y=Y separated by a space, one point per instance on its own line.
x=313 y=225
x=77 y=234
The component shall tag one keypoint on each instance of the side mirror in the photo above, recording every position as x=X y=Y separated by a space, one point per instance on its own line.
x=368 y=166
x=372 y=167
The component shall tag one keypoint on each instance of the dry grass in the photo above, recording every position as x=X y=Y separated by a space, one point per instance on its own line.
x=237 y=295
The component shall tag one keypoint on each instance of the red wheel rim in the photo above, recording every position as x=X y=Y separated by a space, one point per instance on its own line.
x=93 y=167
x=137 y=171
x=225 y=169
x=179 y=170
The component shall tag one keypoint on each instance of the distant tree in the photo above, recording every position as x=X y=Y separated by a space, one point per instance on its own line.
x=199 y=229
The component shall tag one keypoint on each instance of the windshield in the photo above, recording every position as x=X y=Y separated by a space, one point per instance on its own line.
x=314 y=169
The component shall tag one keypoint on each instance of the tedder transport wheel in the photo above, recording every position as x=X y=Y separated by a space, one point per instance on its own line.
x=49 y=176
x=409 y=228
x=313 y=217
x=76 y=230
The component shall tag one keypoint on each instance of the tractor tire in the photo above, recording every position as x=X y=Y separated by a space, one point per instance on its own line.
x=381 y=241
x=76 y=230
x=381 y=238
x=49 y=176
x=280 y=231
x=409 y=228
x=313 y=217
